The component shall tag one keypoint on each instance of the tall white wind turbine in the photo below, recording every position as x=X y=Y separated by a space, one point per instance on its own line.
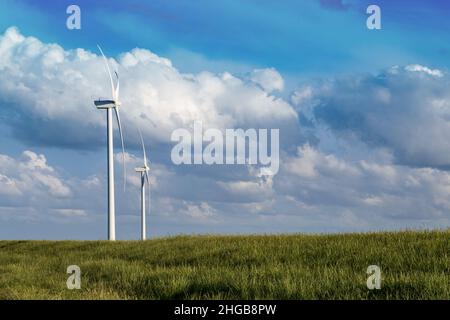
x=144 y=179
x=109 y=105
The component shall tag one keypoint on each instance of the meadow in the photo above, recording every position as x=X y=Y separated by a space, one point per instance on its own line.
x=414 y=265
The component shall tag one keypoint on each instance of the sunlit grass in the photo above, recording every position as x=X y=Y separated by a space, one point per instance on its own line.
x=414 y=265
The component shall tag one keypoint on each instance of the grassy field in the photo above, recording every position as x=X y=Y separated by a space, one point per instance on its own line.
x=414 y=265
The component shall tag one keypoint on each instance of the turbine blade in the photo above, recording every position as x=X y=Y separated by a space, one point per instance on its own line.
x=117 y=85
x=123 y=148
x=143 y=149
x=146 y=177
x=109 y=72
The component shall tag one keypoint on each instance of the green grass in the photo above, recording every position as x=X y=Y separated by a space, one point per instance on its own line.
x=414 y=265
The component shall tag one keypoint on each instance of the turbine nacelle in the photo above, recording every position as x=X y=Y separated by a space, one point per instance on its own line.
x=142 y=169
x=145 y=168
x=106 y=104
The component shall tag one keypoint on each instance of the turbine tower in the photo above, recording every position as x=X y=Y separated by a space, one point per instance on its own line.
x=144 y=178
x=109 y=105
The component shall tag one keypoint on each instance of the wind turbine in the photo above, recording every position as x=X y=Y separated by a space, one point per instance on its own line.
x=109 y=105
x=144 y=178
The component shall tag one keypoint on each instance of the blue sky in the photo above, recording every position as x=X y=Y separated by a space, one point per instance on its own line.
x=295 y=37
x=363 y=114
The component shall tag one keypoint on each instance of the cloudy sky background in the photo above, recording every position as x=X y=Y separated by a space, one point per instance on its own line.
x=363 y=115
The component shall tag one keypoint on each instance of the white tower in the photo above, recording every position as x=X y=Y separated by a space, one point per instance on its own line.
x=109 y=105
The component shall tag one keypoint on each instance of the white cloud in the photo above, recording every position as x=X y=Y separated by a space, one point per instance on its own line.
x=405 y=110
x=385 y=191
x=8 y=186
x=269 y=79
x=372 y=156
x=426 y=70
x=310 y=161
x=251 y=191
x=201 y=211
x=70 y=212
x=301 y=95
x=30 y=175
x=55 y=89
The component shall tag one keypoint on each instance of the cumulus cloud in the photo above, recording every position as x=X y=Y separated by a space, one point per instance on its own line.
x=255 y=190
x=373 y=151
x=32 y=190
x=403 y=109
x=269 y=79
x=426 y=70
x=52 y=90
x=9 y=187
x=367 y=189
x=202 y=211
x=30 y=175
x=310 y=161
x=70 y=212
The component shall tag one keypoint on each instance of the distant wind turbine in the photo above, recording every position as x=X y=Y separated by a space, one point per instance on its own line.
x=144 y=178
x=114 y=103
